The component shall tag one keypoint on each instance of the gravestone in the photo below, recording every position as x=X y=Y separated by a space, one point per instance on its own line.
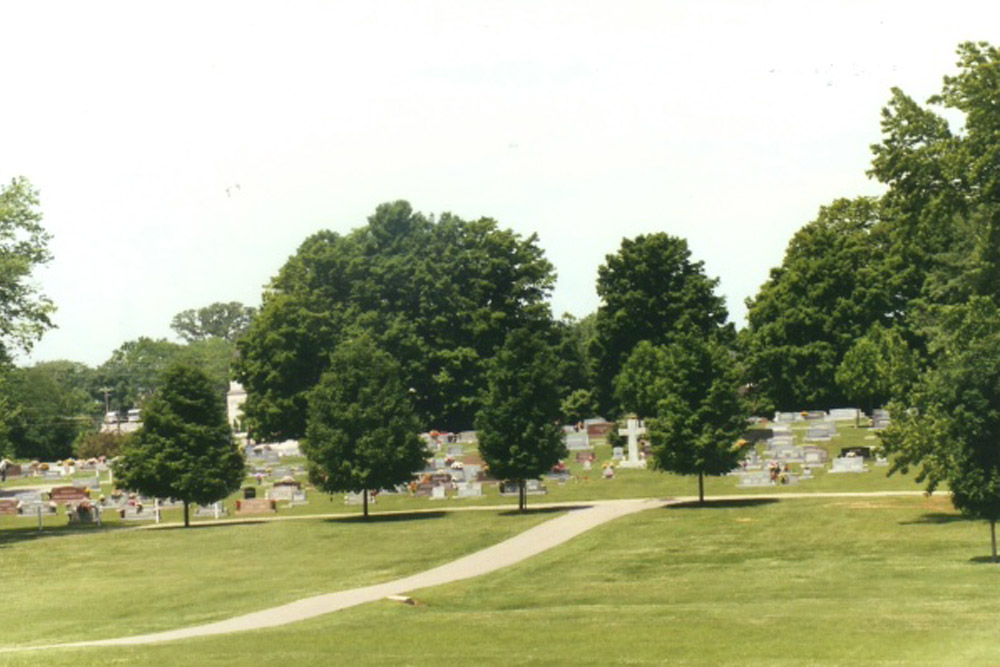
x=633 y=429
x=282 y=492
x=617 y=453
x=753 y=479
x=468 y=437
x=137 y=513
x=880 y=419
x=256 y=506
x=843 y=414
x=68 y=494
x=577 y=441
x=455 y=450
x=8 y=507
x=815 y=455
x=863 y=452
x=598 y=427
x=214 y=511
x=848 y=464
x=584 y=456
x=439 y=493
x=470 y=490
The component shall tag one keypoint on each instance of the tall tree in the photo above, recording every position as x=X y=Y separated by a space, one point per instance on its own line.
x=218 y=320
x=362 y=432
x=518 y=429
x=185 y=448
x=700 y=414
x=53 y=408
x=650 y=290
x=24 y=313
x=878 y=367
x=825 y=295
x=439 y=296
x=951 y=430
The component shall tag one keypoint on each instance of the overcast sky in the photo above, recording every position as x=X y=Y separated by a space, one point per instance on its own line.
x=184 y=150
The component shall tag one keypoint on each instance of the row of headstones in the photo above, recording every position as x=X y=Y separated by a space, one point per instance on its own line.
x=835 y=414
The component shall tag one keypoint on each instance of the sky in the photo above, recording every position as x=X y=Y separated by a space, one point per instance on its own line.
x=184 y=150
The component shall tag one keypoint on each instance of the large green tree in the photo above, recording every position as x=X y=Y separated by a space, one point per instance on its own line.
x=700 y=414
x=878 y=367
x=218 y=320
x=517 y=426
x=362 y=432
x=24 y=313
x=134 y=370
x=951 y=429
x=825 y=295
x=439 y=295
x=53 y=406
x=185 y=448
x=650 y=290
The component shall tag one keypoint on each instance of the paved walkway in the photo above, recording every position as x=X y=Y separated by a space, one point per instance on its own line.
x=520 y=547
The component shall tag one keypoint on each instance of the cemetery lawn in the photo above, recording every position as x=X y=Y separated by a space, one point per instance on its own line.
x=91 y=584
x=878 y=580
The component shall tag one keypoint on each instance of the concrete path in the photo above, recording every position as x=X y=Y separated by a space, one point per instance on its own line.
x=520 y=547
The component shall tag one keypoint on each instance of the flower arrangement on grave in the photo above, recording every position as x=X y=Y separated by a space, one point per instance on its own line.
x=69 y=462
x=86 y=491
x=739 y=444
x=43 y=467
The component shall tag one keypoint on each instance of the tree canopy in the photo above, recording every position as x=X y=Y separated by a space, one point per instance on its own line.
x=951 y=428
x=362 y=430
x=439 y=296
x=24 y=313
x=700 y=415
x=52 y=406
x=650 y=290
x=218 y=320
x=517 y=426
x=185 y=448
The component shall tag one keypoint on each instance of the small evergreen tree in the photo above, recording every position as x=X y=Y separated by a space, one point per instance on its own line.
x=185 y=448
x=362 y=432
x=700 y=415
x=519 y=435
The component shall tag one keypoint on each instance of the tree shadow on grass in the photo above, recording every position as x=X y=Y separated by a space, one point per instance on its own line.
x=936 y=518
x=723 y=503
x=984 y=560
x=10 y=536
x=387 y=518
x=542 y=510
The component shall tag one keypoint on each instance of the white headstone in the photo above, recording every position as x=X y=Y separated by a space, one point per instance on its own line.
x=633 y=429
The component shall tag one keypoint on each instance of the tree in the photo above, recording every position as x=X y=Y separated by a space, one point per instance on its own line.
x=519 y=435
x=650 y=290
x=185 y=448
x=362 y=431
x=132 y=373
x=700 y=415
x=226 y=321
x=639 y=385
x=24 y=314
x=53 y=407
x=439 y=296
x=877 y=368
x=951 y=430
x=825 y=295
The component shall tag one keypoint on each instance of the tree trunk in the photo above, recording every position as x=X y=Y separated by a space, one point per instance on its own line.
x=366 y=503
x=522 y=496
x=993 y=537
x=187 y=522
x=701 y=488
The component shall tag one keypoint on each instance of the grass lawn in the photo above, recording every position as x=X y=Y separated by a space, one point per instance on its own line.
x=94 y=584
x=898 y=580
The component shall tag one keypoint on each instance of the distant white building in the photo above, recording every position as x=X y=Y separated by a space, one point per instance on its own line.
x=113 y=422
x=235 y=398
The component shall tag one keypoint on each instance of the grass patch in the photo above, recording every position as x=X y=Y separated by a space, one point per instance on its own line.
x=74 y=585
x=814 y=581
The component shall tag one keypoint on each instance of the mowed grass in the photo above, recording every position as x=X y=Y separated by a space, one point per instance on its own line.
x=881 y=580
x=100 y=584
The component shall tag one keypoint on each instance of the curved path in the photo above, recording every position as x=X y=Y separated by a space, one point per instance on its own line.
x=520 y=547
